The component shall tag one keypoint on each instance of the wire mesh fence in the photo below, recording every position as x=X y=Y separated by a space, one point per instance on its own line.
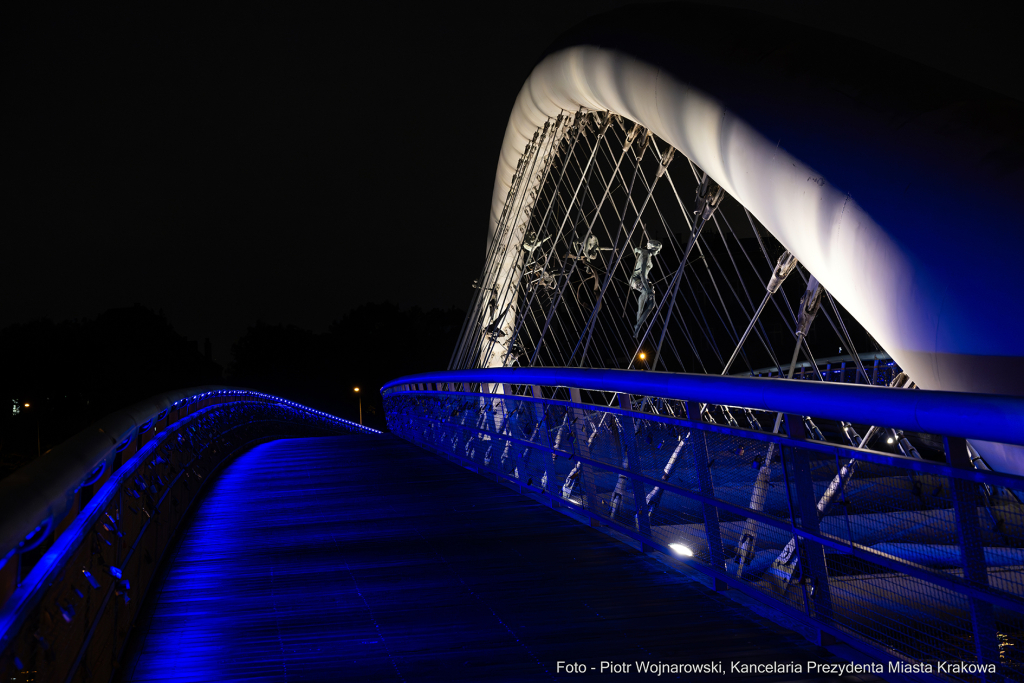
x=912 y=557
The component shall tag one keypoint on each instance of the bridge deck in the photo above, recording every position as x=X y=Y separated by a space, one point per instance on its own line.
x=366 y=558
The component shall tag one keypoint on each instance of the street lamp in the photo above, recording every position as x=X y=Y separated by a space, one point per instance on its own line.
x=39 y=439
x=360 y=405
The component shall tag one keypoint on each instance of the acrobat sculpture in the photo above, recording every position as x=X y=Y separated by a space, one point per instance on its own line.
x=587 y=252
x=639 y=281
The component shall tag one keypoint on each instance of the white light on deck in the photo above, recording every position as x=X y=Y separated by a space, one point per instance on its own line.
x=680 y=549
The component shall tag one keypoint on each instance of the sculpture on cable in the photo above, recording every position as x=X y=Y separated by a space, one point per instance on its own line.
x=639 y=281
x=589 y=254
x=494 y=330
x=492 y=299
x=541 y=278
x=515 y=351
x=531 y=241
x=587 y=251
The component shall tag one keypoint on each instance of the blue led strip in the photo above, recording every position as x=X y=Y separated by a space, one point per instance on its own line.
x=432 y=411
x=13 y=612
x=978 y=416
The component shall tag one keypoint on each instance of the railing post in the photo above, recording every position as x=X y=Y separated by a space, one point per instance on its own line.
x=631 y=459
x=807 y=504
x=712 y=530
x=548 y=441
x=582 y=450
x=542 y=441
x=965 y=506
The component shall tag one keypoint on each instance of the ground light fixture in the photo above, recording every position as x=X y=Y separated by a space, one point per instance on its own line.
x=680 y=549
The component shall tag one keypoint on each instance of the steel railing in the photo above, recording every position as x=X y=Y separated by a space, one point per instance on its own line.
x=84 y=526
x=913 y=559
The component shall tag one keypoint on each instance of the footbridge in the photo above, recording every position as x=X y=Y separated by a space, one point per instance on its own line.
x=741 y=380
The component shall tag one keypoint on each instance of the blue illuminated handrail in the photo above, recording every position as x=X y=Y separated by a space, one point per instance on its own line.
x=852 y=542
x=167 y=459
x=976 y=416
x=41 y=490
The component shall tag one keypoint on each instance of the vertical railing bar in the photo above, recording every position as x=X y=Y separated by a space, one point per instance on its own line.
x=631 y=460
x=808 y=502
x=965 y=507
x=712 y=528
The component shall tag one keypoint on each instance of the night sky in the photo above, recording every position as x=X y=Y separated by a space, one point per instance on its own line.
x=268 y=163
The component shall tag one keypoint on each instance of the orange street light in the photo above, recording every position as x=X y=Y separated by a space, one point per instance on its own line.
x=360 y=405
x=39 y=438
x=642 y=357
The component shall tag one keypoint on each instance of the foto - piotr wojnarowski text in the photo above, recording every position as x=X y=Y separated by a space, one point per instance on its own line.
x=747 y=668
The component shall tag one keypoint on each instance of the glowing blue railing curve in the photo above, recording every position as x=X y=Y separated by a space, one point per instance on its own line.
x=912 y=559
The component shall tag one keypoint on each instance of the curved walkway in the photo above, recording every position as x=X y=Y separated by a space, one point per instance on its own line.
x=365 y=558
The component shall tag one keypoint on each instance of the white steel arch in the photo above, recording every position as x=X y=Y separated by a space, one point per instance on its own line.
x=915 y=309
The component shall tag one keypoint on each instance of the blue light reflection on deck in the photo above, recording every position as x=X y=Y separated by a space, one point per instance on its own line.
x=364 y=558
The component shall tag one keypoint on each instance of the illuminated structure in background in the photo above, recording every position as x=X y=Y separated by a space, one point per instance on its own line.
x=893 y=186
x=849 y=196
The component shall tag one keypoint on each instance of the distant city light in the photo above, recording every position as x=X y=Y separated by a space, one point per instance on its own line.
x=680 y=549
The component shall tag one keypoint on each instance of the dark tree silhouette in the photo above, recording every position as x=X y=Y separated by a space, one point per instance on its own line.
x=365 y=348
x=72 y=373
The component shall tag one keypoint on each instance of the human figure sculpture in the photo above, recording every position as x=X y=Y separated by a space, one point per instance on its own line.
x=494 y=329
x=587 y=251
x=543 y=279
x=492 y=302
x=514 y=352
x=531 y=242
x=640 y=282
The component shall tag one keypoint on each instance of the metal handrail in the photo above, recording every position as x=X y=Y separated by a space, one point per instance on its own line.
x=980 y=476
x=819 y=362
x=976 y=416
x=43 y=488
x=912 y=558
x=160 y=462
